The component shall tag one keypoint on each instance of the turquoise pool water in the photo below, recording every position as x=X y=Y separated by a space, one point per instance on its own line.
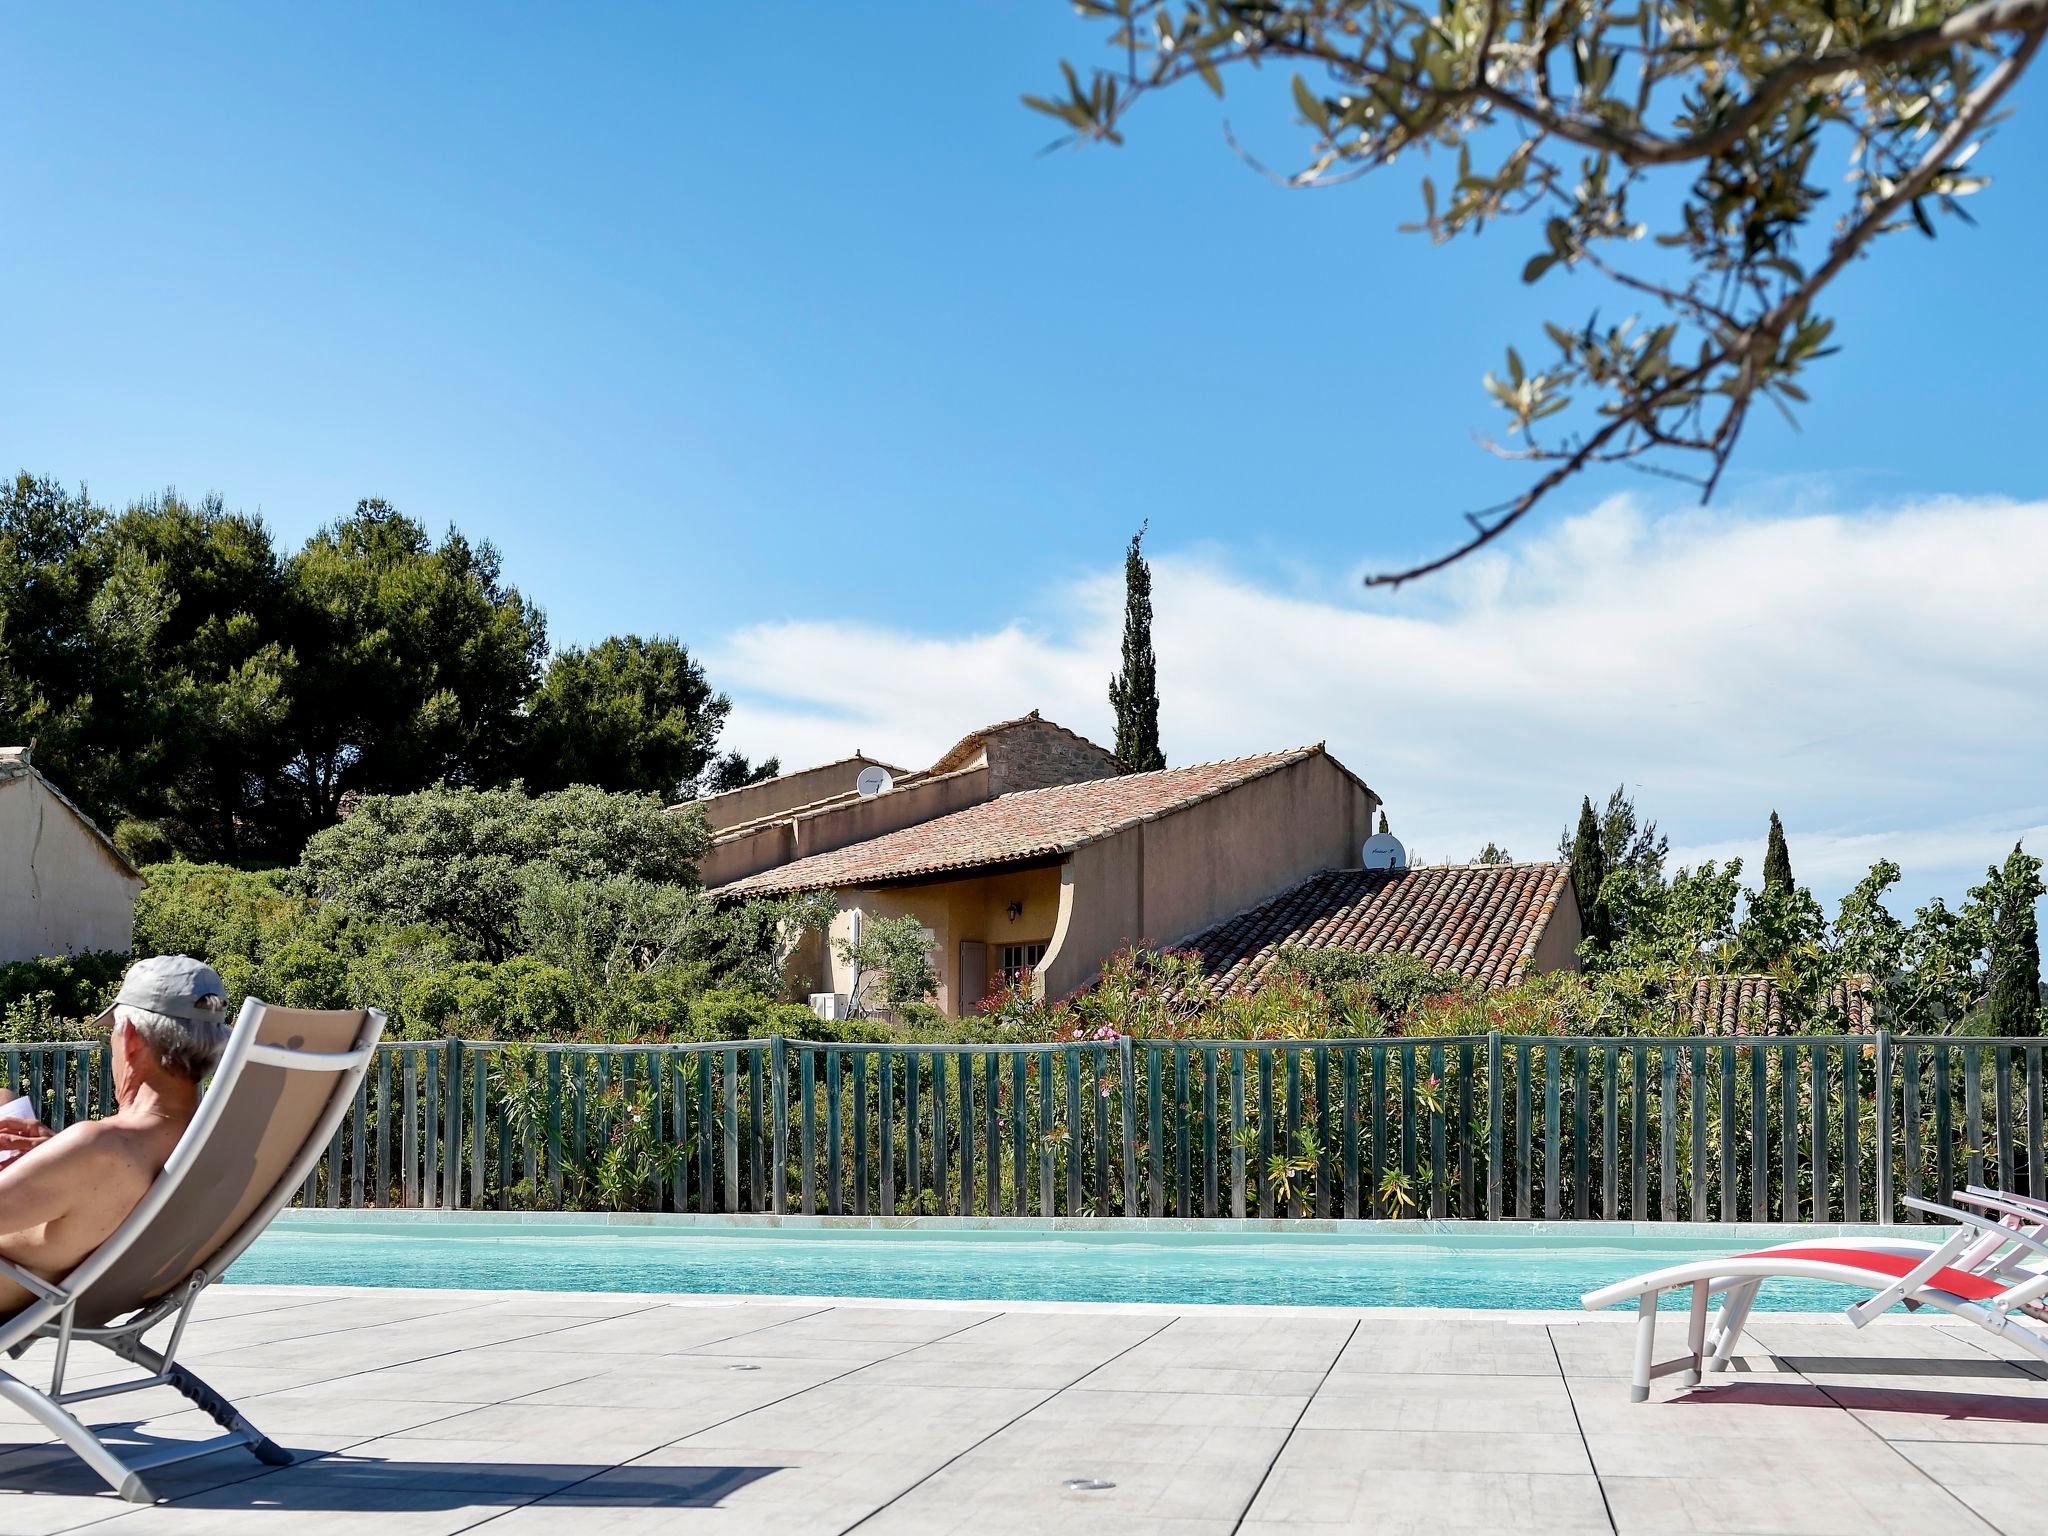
x=1499 y=1268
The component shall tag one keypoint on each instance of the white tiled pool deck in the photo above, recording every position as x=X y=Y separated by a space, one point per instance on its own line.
x=421 y=1413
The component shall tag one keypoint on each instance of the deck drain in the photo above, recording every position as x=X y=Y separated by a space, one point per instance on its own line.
x=1087 y=1484
x=743 y=1367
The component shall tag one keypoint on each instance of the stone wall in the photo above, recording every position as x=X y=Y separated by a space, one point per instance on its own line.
x=1035 y=754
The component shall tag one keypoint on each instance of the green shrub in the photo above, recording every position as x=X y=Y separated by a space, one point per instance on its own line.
x=57 y=992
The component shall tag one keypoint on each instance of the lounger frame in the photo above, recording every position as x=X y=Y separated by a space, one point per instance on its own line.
x=1977 y=1244
x=53 y=1312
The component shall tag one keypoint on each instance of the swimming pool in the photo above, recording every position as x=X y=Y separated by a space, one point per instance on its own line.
x=1493 y=1267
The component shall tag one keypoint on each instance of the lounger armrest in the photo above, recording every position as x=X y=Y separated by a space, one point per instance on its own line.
x=1993 y=1200
x=34 y=1284
x=1982 y=1223
x=2038 y=1207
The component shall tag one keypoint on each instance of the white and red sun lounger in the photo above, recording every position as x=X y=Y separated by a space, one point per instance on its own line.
x=1975 y=1273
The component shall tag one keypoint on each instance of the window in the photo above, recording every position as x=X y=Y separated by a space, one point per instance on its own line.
x=1019 y=960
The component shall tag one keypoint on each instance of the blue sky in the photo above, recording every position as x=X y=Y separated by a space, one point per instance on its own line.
x=772 y=328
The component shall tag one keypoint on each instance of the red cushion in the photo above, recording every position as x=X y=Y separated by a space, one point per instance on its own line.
x=1957 y=1282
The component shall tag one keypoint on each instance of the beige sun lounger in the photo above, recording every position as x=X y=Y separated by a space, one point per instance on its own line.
x=283 y=1084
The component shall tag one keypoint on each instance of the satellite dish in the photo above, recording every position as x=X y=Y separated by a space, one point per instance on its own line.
x=1383 y=850
x=872 y=781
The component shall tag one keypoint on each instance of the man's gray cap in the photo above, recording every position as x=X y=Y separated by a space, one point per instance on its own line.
x=172 y=985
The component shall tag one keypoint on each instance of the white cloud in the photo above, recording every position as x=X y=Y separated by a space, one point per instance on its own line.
x=1876 y=678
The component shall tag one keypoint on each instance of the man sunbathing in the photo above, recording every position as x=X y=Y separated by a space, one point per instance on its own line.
x=63 y=1193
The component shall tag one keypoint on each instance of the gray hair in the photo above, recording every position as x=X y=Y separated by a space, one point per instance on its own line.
x=190 y=1047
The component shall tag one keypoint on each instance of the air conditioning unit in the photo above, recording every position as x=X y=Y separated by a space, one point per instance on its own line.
x=831 y=1006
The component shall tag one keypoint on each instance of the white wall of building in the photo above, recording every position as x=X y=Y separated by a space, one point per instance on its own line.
x=62 y=890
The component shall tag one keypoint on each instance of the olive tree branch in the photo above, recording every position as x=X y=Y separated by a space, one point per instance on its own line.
x=1760 y=337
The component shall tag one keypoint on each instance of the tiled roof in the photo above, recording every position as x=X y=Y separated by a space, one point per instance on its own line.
x=1014 y=828
x=1756 y=1005
x=1480 y=921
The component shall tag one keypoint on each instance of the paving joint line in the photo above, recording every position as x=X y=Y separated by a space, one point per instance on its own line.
x=854 y=1370
x=1572 y=1398
x=1265 y=1476
x=263 y=1471
x=968 y=1450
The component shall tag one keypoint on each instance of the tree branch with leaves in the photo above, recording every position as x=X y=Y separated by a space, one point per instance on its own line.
x=1582 y=113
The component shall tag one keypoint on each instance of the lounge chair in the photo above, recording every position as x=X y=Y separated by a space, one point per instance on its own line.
x=1974 y=1273
x=284 y=1082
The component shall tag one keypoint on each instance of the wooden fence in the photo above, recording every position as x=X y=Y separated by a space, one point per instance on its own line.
x=1799 y=1128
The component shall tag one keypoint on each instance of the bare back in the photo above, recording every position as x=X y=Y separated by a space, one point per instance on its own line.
x=65 y=1197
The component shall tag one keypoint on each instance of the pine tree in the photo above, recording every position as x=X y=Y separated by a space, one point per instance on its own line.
x=1134 y=692
x=1777 y=861
x=1589 y=872
x=2014 y=1006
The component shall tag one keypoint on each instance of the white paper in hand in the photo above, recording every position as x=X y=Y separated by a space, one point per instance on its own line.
x=17 y=1108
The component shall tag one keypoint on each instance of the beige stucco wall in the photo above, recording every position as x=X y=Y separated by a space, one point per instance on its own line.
x=61 y=891
x=858 y=820
x=1557 y=947
x=790 y=792
x=952 y=911
x=1164 y=880
x=748 y=853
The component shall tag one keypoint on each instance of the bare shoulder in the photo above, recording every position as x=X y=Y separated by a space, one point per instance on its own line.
x=85 y=1142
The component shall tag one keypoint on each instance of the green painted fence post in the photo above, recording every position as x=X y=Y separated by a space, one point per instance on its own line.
x=991 y=1093
x=1494 y=1106
x=885 y=1128
x=1552 y=1073
x=1239 y=1063
x=1074 y=1124
x=1020 y=1130
x=1155 y=1133
x=383 y=1187
x=1524 y=1181
x=1046 y=1201
x=1818 y=1161
x=778 y=1109
x=1351 y=1174
x=859 y=1063
x=1697 y=1062
x=1127 y=1067
x=807 y=1137
x=477 y=1122
x=1667 y=1132
x=2034 y=1138
x=1886 y=1205
x=1439 y=1160
x=1909 y=1111
x=1759 y=1134
x=1468 y=1166
x=2001 y=1067
x=411 y=1089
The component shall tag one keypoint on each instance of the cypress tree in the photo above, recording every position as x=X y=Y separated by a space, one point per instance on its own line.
x=1777 y=861
x=1134 y=691
x=1589 y=871
x=2014 y=1006
x=1383 y=823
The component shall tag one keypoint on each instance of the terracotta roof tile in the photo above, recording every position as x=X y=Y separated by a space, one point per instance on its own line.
x=1480 y=921
x=1013 y=828
x=1756 y=1005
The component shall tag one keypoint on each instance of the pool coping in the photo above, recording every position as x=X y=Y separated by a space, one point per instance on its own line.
x=1531 y=1316
x=1360 y=1229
